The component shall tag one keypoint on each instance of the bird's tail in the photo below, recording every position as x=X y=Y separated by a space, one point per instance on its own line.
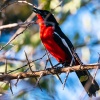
x=88 y=83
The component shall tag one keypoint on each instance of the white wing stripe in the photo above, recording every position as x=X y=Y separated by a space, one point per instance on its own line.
x=66 y=45
x=64 y=42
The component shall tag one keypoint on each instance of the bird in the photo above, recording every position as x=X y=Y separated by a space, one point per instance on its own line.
x=61 y=48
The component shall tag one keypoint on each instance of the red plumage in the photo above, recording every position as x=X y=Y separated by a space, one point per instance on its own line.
x=46 y=35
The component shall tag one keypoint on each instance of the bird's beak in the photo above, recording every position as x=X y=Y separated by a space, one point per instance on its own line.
x=36 y=10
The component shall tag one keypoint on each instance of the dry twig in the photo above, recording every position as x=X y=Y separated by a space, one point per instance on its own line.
x=6 y=66
x=95 y=73
x=32 y=71
x=65 y=79
x=21 y=24
x=50 y=71
x=53 y=66
x=26 y=64
x=10 y=3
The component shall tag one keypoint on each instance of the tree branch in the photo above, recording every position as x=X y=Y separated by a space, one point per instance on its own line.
x=49 y=71
x=23 y=24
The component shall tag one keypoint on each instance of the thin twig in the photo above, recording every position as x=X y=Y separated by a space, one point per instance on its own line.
x=99 y=58
x=53 y=66
x=2 y=58
x=71 y=63
x=13 y=38
x=46 y=64
x=21 y=24
x=18 y=77
x=6 y=66
x=10 y=87
x=26 y=64
x=38 y=80
x=95 y=73
x=31 y=70
x=49 y=58
x=66 y=79
x=10 y=3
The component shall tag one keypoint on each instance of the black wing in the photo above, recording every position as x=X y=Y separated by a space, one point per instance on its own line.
x=62 y=35
x=62 y=43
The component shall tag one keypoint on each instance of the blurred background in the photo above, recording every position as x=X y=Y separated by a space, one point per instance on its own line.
x=78 y=19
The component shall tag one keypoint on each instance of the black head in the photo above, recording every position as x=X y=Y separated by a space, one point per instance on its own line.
x=46 y=15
